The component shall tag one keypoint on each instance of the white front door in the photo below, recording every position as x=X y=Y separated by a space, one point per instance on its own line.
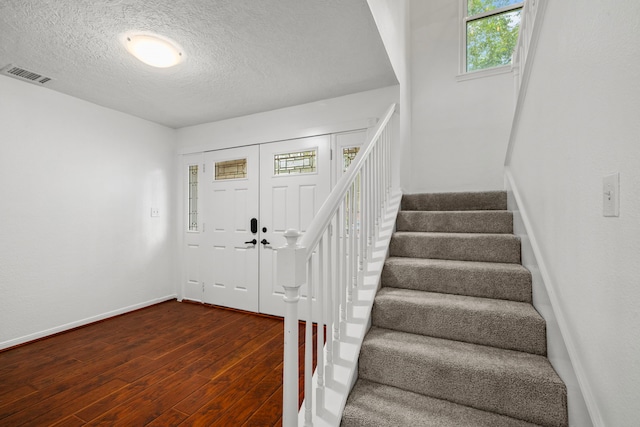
x=294 y=183
x=230 y=256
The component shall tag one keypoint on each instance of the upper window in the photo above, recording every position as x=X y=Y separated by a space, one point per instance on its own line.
x=490 y=32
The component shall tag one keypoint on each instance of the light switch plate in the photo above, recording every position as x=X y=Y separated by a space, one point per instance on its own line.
x=155 y=212
x=611 y=195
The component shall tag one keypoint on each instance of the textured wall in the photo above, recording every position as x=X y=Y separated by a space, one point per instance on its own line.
x=579 y=123
x=77 y=183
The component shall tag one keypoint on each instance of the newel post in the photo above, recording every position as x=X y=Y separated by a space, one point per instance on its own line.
x=291 y=275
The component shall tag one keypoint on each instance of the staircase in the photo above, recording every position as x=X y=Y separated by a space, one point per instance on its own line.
x=454 y=339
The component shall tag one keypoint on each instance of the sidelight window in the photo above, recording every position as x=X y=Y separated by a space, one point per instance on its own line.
x=193 y=198
x=348 y=154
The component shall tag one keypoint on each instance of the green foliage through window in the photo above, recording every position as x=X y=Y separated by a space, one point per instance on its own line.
x=476 y=7
x=491 y=39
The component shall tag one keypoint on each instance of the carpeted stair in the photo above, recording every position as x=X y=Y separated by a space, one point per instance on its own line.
x=455 y=340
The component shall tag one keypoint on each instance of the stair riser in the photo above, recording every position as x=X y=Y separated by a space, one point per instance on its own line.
x=496 y=329
x=455 y=222
x=468 y=247
x=473 y=282
x=373 y=404
x=518 y=396
x=492 y=200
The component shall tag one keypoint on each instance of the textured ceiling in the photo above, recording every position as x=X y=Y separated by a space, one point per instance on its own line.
x=241 y=56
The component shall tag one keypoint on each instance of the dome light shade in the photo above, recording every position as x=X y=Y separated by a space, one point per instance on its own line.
x=153 y=51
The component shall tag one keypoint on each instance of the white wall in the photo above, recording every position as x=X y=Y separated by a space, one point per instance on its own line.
x=77 y=182
x=392 y=20
x=460 y=129
x=578 y=123
x=321 y=117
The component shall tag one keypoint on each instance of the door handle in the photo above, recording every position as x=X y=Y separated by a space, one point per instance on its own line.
x=253 y=242
x=264 y=242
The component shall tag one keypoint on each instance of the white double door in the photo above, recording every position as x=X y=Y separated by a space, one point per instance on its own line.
x=243 y=218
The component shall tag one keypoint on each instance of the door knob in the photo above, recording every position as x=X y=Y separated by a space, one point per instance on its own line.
x=264 y=242
x=253 y=242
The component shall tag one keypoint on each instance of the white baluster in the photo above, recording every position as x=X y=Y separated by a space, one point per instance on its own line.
x=320 y=333
x=349 y=237
x=308 y=350
x=330 y=304
x=343 y=265
x=353 y=256
x=371 y=198
x=363 y=222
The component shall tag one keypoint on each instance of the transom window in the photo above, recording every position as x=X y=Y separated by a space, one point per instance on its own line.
x=490 y=30
x=295 y=162
x=231 y=169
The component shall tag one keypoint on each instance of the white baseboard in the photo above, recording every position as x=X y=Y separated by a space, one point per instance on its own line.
x=82 y=322
x=549 y=286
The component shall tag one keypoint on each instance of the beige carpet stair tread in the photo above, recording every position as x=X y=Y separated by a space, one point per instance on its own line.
x=511 y=383
x=372 y=404
x=473 y=278
x=455 y=221
x=468 y=201
x=456 y=246
x=498 y=323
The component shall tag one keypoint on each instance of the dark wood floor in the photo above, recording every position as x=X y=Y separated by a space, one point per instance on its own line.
x=166 y=365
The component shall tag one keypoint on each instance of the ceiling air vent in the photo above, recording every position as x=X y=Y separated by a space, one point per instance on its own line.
x=22 y=74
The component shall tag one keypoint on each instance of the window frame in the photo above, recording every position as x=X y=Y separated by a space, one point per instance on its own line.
x=463 y=74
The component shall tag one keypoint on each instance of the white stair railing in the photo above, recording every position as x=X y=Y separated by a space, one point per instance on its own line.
x=526 y=40
x=330 y=259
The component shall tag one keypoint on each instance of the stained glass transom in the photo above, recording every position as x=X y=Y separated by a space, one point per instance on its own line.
x=231 y=169
x=193 y=198
x=296 y=162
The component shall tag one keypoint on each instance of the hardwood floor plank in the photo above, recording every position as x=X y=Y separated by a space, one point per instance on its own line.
x=169 y=418
x=59 y=406
x=233 y=373
x=242 y=408
x=151 y=402
x=190 y=362
x=165 y=365
x=270 y=413
x=227 y=393
x=70 y=421
x=18 y=392
x=252 y=339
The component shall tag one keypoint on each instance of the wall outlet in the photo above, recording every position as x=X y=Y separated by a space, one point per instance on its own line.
x=155 y=212
x=611 y=195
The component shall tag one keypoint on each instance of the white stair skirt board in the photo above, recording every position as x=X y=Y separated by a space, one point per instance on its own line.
x=561 y=350
x=338 y=386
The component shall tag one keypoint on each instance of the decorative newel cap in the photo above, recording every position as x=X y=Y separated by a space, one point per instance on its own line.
x=292 y=237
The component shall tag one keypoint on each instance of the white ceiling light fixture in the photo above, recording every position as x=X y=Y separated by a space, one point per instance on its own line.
x=153 y=50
